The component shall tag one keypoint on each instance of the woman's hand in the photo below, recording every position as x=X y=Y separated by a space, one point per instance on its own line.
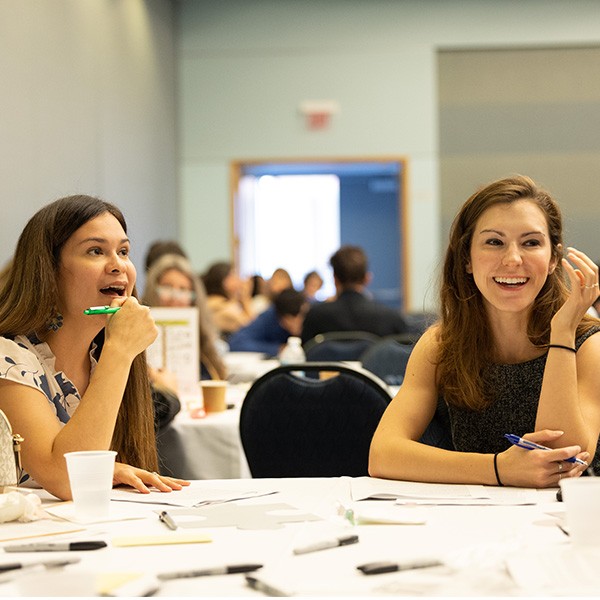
x=539 y=468
x=132 y=328
x=141 y=480
x=584 y=291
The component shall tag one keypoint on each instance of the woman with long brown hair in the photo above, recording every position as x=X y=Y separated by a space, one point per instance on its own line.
x=513 y=352
x=71 y=381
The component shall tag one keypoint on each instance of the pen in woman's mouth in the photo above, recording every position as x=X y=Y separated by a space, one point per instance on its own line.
x=101 y=310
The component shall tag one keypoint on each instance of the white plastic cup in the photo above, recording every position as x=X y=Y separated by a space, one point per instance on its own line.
x=581 y=497
x=91 y=476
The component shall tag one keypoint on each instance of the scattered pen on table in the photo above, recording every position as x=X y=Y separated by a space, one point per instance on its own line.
x=376 y=568
x=44 y=563
x=265 y=588
x=167 y=519
x=101 y=310
x=528 y=445
x=324 y=544
x=226 y=570
x=12 y=571
x=56 y=546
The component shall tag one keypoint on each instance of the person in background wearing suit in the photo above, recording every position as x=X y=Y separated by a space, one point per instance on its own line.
x=352 y=309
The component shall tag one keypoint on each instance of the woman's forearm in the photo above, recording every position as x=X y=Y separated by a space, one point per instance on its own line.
x=408 y=460
x=559 y=406
x=92 y=425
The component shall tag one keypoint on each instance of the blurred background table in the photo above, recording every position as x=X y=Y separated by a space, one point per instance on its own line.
x=208 y=447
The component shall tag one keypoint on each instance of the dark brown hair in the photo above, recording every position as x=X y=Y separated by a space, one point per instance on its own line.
x=33 y=275
x=466 y=345
x=349 y=265
x=214 y=276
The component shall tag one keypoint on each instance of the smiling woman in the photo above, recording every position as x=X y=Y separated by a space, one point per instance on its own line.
x=69 y=381
x=513 y=353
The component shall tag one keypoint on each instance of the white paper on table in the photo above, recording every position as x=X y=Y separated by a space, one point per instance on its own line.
x=42 y=528
x=117 y=512
x=556 y=570
x=188 y=496
x=414 y=492
x=177 y=348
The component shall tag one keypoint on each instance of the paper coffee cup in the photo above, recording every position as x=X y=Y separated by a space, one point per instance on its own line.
x=213 y=395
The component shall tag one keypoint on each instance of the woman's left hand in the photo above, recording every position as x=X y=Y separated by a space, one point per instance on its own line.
x=584 y=289
x=141 y=480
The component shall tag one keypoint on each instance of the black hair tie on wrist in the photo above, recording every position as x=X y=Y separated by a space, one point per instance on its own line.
x=561 y=346
x=496 y=469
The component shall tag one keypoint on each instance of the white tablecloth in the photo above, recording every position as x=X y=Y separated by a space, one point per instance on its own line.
x=475 y=543
x=207 y=447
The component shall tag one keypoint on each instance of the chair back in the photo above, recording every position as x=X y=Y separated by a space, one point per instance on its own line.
x=388 y=358
x=339 y=345
x=298 y=426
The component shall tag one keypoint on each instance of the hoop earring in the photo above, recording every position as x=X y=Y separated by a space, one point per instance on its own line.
x=56 y=322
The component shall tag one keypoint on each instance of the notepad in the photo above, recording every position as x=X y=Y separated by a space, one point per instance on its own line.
x=159 y=540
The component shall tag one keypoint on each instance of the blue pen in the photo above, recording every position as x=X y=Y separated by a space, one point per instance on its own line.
x=522 y=443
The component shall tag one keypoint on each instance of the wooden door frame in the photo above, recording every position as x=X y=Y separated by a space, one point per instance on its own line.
x=235 y=174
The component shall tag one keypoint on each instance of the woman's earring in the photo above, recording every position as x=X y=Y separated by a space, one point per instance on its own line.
x=56 y=322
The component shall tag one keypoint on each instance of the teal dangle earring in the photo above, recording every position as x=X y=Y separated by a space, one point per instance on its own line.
x=56 y=322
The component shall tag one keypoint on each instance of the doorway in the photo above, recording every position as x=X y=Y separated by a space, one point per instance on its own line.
x=294 y=215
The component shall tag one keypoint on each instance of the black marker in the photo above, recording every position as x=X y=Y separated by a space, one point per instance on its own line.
x=56 y=547
x=324 y=544
x=375 y=568
x=49 y=564
x=227 y=570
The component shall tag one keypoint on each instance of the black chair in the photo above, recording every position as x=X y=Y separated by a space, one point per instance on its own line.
x=295 y=426
x=388 y=358
x=418 y=322
x=339 y=345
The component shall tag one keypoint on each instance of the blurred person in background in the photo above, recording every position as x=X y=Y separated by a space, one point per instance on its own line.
x=228 y=298
x=271 y=329
x=171 y=281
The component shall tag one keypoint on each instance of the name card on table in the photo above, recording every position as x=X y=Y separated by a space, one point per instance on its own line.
x=177 y=348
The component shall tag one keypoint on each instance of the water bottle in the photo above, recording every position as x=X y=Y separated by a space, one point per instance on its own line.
x=292 y=352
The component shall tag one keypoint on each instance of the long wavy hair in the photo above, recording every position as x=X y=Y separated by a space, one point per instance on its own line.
x=466 y=344
x=209 y=356
x=28 y=300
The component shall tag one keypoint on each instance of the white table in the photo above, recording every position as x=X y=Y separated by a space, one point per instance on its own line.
x=475 y=543
x=209 y=447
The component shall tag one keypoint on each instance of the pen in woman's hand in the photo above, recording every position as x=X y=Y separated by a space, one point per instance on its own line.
x=528 y=445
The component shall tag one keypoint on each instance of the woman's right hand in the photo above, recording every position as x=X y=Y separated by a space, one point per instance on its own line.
x=583 y=279
x=132 y=329
x=519 y=467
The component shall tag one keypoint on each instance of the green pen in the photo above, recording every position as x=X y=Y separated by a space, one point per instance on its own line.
x=101 y=310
